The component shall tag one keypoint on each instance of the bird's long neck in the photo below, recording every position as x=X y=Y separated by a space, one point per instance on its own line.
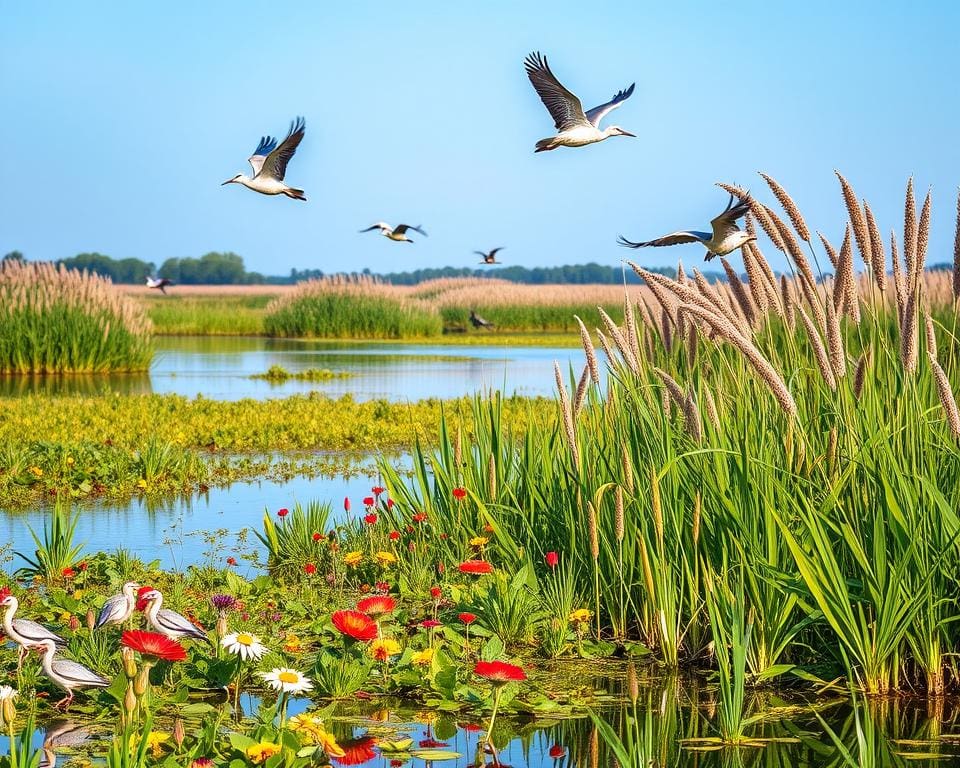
x=245 y=180
x=8 y=619
x=154 y=608
x=46 y=660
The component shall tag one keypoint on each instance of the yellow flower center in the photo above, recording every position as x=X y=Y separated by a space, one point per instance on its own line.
x=245 y=639
x=288 y=677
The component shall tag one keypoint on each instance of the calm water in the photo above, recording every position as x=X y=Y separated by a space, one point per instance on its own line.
x=220 y=368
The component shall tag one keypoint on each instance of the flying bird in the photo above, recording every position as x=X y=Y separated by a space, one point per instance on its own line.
x=170 y=623
x=398 y=233
x=24 y=632
x=575 y=128
x=162 y=283
x=269 y=163
x=725 y=238
x=120 y=607
x=67 y=674
x=489 y=258
x=478 y=322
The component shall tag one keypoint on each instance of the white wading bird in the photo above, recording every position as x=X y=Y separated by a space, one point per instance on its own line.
x=575 y=128
x=398 y=233
x=170 y=623
x=162 y=283
x=489 y=258
x=725 y=238
x=67 y=674
x=269 y=163
x=24 y=632
x=120 y=607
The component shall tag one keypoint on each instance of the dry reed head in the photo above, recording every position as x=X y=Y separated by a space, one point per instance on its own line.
x=787 y=300
x=790 y=207
x=899 y=285
x=627 y=466
x=908 y=334
x=691 y=417
x=605 y=345
x=630 y=325
x=581 y=392
x=623 y=346
x=594 y=535
x=711 y=406
x=589 y=351
x=755 y=280
x=567 y=412
x=878 y=259
x=838 y=356
x=910 y=230
x=860 y=373
x=697 y=511
x=931 y=336
x=923 y=239
x=744 y=300
x=618 y=517
x=856 y=218
x=492 y=477
x=819 y=351
x=691 y=346
x=830 y=250
x=947 y=398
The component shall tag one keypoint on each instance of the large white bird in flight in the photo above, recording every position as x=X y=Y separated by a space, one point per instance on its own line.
x=269 y=163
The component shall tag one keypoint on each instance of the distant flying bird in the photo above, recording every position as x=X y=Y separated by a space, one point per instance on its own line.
x=725 y=238
x=397 y=233
x=162 y=283
x=269 y=163
x=67 y=674
x=479 y=322
x=24 y=632
x=170 y=623
x=575 y=128
x=120 y=607
x=489 y=258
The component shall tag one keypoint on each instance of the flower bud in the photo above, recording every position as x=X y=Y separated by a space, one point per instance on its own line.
x=129 y=663
x=74 y=623
x=9 y=710
x=221 y=626
x=91 y=619
x=142 y=683
x=129 y=701
x=178 y=732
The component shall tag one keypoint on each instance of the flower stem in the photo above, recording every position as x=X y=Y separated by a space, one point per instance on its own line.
x=488 y=739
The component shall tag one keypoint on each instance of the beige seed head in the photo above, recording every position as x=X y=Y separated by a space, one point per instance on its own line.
x=931 y=337
x=594 y=535
x=860 y=373
x=492 y=477
x=790 y=207
x=618 y=520
x=856 y=218
x=910 y=231
x=581 y=392
x=744 y=301
x=908 y=334
x=923 y=239
x=819 y=351
x=696 y=518
x=878 y=259
x=656 y=507
x=691 y=417
x=589 y=351
x=947 y=399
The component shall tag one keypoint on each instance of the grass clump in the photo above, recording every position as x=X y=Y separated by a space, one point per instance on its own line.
x=277 y=373
x=345 y=308
x=207 y=314
x=54 y=320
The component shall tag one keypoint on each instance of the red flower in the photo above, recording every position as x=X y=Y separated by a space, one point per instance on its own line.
x=377 y=490
x=383 y=586
x=368 y=501
x=346 y=504
x=356 y=751
x=82 y=565
x=552 y=559
x=441 y=567
x=370 y=519
x=354 y=624
x=436 y=593
x=476 y=567
x=389 y=503
x=309 y=569
x=283 y=512
x=409 y=528
x=317 y=536
x=467 y=618
x=231 y=561
x=459 y=493
x=68 y=573
x=377 y=605
x=470 y=727
x=556 y=752
x=499 y=672
x=153 y=644
x=5 y=592
x=431 y=743
x=419 y=517
x=431 y=623
x=488 y=528
x=394 y=535
x=141 y=603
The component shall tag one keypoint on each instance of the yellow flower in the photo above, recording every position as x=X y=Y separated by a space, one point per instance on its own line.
x=386 y=558
x=141 y=483
x=258 y=753
x=310 y=729
x=580 y=616
x=36 y=471
x=329 y=744
x=422 y=658
x=479 y=542
x=77 y=594
x=383 y=648
x=155 y=739
x=304 y=723
x=70 y=461
x=353 y=559
x=292 y=644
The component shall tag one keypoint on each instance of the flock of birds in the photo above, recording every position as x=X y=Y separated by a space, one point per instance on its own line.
x=71 y=675
x=575 y=128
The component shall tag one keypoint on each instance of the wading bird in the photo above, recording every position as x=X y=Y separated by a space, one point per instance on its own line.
x=489 y=258
x=478 y=322
x=725 y=238
x=398 y=233
x=575 y=128
x=67 y=674
x=24 y=632
x=162 y=283
x=170 y=623
x=269 y=163
x=120 y=607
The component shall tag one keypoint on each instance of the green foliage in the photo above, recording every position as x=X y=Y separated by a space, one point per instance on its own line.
x=213 y=268
x=56 y=548
x=296 y=539
x=131 y=271
x=277 y=373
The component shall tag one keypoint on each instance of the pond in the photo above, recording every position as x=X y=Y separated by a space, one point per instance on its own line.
x=220 y=368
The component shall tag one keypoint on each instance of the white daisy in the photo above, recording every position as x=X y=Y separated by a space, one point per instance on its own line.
x=244 y=645
x=7 y=693
x=287 y=680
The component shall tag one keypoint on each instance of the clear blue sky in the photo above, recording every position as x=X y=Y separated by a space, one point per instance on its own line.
x=120 y=120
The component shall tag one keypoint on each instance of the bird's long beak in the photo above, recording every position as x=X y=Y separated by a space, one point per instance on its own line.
x=627 y=133
x=228 y=181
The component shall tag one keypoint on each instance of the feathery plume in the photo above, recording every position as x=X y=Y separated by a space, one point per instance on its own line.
x=790 y=207
x=910 y=231
x=589 y=351
x=878 y=259
x=856 y=217
x=819 y=351
x=947 y=399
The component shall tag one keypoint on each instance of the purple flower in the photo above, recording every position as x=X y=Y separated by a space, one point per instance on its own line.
x=223 y=603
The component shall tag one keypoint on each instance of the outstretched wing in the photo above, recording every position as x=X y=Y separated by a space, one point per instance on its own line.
x=379 y=225
x=675 y=238
x=493 y=253
x=275 y=164
x=565 y=108
x=401 y=228
x=726 y=222
x=597 y=114
x=265 y=147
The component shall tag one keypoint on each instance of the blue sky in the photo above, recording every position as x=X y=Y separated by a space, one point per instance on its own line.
x=120 y=120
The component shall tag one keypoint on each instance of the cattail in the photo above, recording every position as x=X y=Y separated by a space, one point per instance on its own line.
x=831 y=450
x=594 y=748
x=819 y=351
x=790 y=207
x=910 y=231
x=594 y=536
x=908 y=334
x=691 y=417
x=838 y=358
x=956 y=252
x=581 y=392
x=759 y=363
x=931 y=337
x=859 y=374
x=786 y=298
x=878 y=260
x=589 y=351
x=622 y=346
x=947 y=399
x=647 y=570
x=567 y=416
x=711 y=407
x=923 y=239
x=618 y=521
x=856 y=218
x=691 y=345
x=633 y=685
x=627 y=466
x=492 y=478
x=697 y=503
x=655 y=506
x=740 y=293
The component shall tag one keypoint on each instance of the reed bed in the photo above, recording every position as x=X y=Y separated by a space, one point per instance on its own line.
x=764 y=487
x=54 y=320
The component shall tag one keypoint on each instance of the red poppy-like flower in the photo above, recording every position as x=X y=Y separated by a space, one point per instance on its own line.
x=383 y=586
x=390 y=503
x=476 y=567
x=317 y=536
x=68 y=572
x=552 y=559
x=202 y=762
x=368 y=501
x=354 y=624
x=309 y=569
x=370 y=518
x=443 y=536
x=419 y=517
x=377 y=605
x=283 y=512
x=394 y=535
x=356 y=751
x=82 y=565
x=467 y=618
x=141 y=603
x=153 y=644
x=409 y=528
x=346 y=504
x=431 y=623
x=5 y=592
x=459 y=493
x=396 y=762
x=441 y=567
x=556 y=752
x=231 y=561
x=499 y=672
x=436 y=593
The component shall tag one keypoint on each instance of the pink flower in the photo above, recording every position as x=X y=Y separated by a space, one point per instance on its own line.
x=346 y=504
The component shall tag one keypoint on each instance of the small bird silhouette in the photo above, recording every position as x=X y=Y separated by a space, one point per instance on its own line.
x=489 y=258
x=162 y=283
x=397 y=233
x=269 y=163
x=479 y=322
